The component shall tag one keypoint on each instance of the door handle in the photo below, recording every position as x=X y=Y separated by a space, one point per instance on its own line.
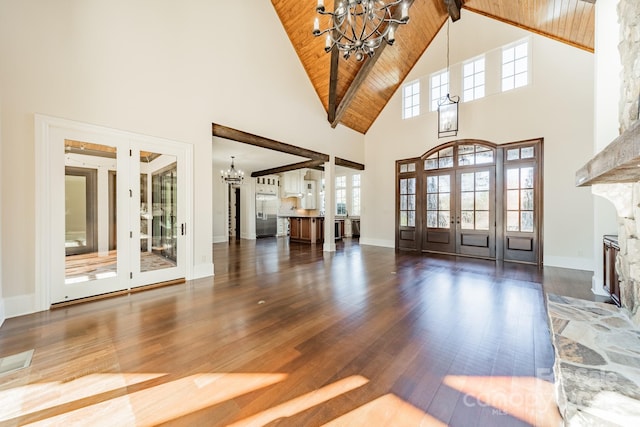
x=183 y=228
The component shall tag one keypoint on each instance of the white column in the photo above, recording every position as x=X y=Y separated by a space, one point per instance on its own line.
x=329 y=205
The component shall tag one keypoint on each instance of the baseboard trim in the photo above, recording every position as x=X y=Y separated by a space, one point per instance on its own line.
x=597 y=286
x=2 y=314
x=377 y=242
x=20 y=305
x=220 y=239
x=202 y=270
x=585 y=264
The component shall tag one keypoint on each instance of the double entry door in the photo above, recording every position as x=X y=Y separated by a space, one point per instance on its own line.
x=122 y=221
x=460 y=212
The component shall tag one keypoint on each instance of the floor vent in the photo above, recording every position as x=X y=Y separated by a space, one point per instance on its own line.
x=15 y=362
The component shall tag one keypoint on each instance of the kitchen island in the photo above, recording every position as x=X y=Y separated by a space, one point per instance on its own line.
x=310 y=229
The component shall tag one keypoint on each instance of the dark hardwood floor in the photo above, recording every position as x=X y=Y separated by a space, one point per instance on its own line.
x=285 y=334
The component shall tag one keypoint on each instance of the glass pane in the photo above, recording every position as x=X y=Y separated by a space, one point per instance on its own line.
x=403 y=202
x=444 y=182
x=521 y=80
x=513 y=154
x=466 y=201
x=431 y=164
x=411 y=167
x=482 y=180
x=446 y=162
x=411 y=218
x=444 y=202
x=432 y=219
x=484 y=157
x=521 y=65
x=513 y=221
x=527 y=221
x=513 y=200
x=446 y=152
x=527 y=152
x=432 y=202
x=482 y=220
x=403 y=168
x=526 y=180
x=466 y=182
x=412 y=202
x=527 y=200
x=482 y=200
x=466 y=159
x=89 y=255
x=465 y=149
x=432 y=184
x=162 y=234
x=443 y=219
x=433 y=156
x=513 y=180
x=403 y=186
x=403 y=218
x=467 y=222
x=411 y=186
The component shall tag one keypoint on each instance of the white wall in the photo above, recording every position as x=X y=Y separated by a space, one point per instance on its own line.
x=558 y=106
x=154 y=67
x=2 y=313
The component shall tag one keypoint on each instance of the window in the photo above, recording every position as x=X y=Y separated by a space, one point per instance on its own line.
x=473 y=79
x=439 y=88
x=341 y=195
x=515 y=66
x=411 y=100
x=407 y=202
x=355 y=195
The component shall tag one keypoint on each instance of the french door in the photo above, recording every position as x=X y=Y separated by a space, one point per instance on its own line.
x=138 y=232
x=460 y=212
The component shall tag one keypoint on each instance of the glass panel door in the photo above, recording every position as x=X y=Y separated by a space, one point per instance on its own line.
x=156 y=215
x=440 y=210
x=475 y=217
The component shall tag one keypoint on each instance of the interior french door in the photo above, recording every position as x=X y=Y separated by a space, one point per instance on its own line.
x=140 y=223
x=475 y=212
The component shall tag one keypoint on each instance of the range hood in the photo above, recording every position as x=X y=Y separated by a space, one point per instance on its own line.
x=618 y=162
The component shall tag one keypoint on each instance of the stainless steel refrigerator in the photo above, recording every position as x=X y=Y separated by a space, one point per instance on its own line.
x=266 y=215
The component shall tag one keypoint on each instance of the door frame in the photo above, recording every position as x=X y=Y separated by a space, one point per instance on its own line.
x=48 y=158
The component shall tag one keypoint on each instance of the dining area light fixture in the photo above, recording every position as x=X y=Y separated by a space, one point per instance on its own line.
x=232 y=176
x=358 y=27
x=448 y=107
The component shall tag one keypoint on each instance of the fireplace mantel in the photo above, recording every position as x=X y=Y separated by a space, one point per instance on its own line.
x=618 y=162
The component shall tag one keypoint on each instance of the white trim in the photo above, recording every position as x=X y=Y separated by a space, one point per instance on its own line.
x=2 y=313
x=377 y=242
x=597 y=286
x=20 y=305
x=202 y=270
x=573 y=263
x=220 y=239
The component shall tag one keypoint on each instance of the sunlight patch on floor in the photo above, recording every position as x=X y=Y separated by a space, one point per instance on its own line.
x=387 y=410
x=529 y=399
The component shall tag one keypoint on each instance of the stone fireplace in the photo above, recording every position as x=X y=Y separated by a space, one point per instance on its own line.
x=614 y=173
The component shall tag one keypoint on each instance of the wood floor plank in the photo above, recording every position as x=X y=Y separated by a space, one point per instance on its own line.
x=286 y=334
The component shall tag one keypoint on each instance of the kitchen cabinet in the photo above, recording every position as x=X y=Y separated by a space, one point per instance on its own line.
x=306 y=229
x=309 y=195
x=267 y=185
x=292 y=184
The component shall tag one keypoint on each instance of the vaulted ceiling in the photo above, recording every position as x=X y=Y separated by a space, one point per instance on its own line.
x=360 y=90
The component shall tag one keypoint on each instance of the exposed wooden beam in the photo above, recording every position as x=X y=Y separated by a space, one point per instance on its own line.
x=309 y=164
x=259 y=141
x=349 y=164
x=453 y=7
x=333 y=85
x=360 y=77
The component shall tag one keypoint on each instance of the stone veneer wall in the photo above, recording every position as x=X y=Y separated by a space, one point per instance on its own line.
x=628 y=263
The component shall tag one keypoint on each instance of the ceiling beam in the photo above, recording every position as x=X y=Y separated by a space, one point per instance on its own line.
x=333 y=85
x=453 y=7
x=309 y=164
x=259 y=141
x=363 y=72
x=349 y=164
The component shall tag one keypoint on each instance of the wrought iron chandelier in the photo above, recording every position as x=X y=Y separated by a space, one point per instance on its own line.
x=359 y=27
x=232 y=176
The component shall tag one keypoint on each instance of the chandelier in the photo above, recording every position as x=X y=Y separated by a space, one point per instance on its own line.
x=232 y=176
x=359 y=26
x=448 y=107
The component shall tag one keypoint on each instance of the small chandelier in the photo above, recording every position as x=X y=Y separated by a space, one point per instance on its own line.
x=232 y=176
x=359 y=26
x=448 y=107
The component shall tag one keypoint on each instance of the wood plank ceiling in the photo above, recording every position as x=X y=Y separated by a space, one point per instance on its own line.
x=568 y=21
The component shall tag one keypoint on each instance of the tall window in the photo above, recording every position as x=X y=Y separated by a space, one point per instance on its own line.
x=515 y=66
x=473 y=79
x=355 y=195
x=411 y=100
x=341 y=195
x=439 y=88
